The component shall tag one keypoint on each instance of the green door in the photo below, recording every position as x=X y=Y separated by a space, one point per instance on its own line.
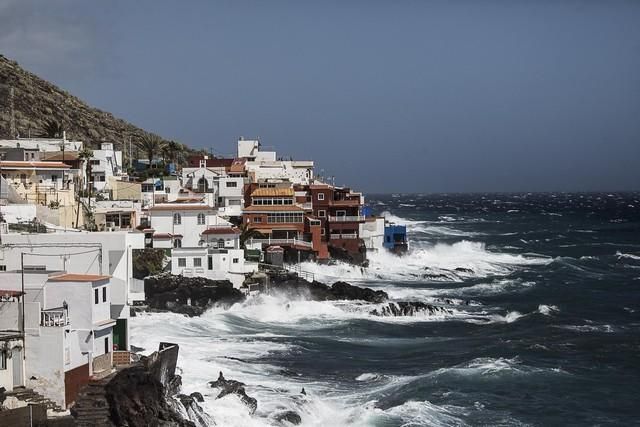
x=120 y=334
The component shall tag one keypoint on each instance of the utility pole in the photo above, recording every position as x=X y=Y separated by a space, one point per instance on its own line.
x=12 y=125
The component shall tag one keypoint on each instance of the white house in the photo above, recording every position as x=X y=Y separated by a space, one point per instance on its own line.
x=230 y=196
x=68 y=330
x=101 y=253
x=177 y=225
x=219 y=257
x=106 y=162
x=264 y=165
x=42 y=144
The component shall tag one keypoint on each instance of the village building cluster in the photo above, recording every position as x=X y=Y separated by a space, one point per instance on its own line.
x=72 y=218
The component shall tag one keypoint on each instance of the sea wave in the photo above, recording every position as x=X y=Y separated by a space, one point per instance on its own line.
x=440 y=262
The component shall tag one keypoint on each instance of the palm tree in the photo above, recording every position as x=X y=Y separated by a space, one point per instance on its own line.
x=52 y=129
x=247 y=233
x=174 y=149
x=151 y=144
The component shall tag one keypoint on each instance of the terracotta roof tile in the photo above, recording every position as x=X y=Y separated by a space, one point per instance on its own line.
x=31 y=165
x=221 y=230
x=273 y=192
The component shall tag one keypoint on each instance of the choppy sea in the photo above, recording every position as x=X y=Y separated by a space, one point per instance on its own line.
x=544 y=329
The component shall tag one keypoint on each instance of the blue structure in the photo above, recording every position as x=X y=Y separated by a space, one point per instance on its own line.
x=366 y=211
x=395 y=237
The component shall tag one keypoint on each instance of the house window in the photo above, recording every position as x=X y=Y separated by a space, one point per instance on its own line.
x=94 y=162
x=96 y=296
x=201 y=219
x=232 y=184
x=322 y=231
x=320 y=196
x=182 y=262
x=236 y=260
x=257 y=220
x=167 y=190
x=203 y=185
x=3 y=360
x=177 y=243
x=104 y=294
x=177 y=219
x=197 y=262
x=3 y=267
x=322 y=213
x=220 y=243
x=234 y=202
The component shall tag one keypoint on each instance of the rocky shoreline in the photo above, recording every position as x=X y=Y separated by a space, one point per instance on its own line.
x=192 y=296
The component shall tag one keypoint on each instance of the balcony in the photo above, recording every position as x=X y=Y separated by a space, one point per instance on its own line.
x=286 y=242
x=54 y=317
x=349 y=201
x=347 y=218
x=336 y=236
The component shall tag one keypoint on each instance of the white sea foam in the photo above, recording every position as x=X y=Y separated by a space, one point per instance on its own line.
x=450 y=262
x=547 y=310
x=367 y=377
x=628 y=256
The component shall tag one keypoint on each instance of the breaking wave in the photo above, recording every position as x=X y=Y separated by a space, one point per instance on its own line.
x=441 y=262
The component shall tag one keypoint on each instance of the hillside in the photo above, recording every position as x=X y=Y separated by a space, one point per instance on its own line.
x=35 y=101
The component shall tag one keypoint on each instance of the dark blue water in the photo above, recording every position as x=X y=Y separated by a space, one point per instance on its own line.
x=544 y=293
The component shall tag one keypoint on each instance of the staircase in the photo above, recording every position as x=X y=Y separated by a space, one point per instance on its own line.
x=91 y=407
x=28 y=395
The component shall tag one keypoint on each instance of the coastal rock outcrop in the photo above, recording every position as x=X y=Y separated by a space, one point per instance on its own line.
x=409 y=308
x=189 y=295
x=234 y=387
x=291 y=417
x=295 y=286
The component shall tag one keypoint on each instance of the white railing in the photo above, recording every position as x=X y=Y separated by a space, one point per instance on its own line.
x=344 y=236
x=344 y=218
x=54 y=318
x=271 y=241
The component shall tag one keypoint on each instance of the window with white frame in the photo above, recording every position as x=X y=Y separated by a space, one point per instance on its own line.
x=320 y=196
x=197 y=262
x=177 y=243
x=182 y=262
x=236 y=260
x=177 y=219
x=322 y=213
x=201 y=219
x=231 y=184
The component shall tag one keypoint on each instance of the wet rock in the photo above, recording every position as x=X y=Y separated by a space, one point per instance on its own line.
x=409 y=308
x=291 y=417
x=234 y=387
x=197 y=396
x=463 y=270
x=296 y=287
x=191 y=296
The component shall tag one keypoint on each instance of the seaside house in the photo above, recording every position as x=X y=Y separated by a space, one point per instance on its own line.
x=99 y=253
x=105 y=163
x=68 y=330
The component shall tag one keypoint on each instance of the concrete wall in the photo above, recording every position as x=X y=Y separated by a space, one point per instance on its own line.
x=45 y=357
x=162 y=222
x=10 y=315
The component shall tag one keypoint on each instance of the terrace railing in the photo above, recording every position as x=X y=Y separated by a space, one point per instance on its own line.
x=270 y=241
x=54 y=318
x=336 y=236
x=347 y=218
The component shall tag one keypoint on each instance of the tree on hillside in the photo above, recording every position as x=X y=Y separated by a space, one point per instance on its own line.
x=52 y=129
x=175 y=150
x=151 y=144
x=247 y=233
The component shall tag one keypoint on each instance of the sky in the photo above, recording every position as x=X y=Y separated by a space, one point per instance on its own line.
x=387 y=96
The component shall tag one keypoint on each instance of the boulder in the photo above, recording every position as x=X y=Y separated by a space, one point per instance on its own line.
x=291 y=417
x=234 y=387
x=409 y=308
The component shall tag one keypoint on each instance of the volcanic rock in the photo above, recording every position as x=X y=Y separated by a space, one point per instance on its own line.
x=234 y=387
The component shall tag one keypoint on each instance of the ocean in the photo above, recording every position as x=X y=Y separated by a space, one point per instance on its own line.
x=543 y=329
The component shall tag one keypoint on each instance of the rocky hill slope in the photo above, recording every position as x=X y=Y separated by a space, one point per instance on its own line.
x=36 y=101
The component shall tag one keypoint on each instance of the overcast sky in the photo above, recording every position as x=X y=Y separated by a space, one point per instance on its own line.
x=388 y=96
